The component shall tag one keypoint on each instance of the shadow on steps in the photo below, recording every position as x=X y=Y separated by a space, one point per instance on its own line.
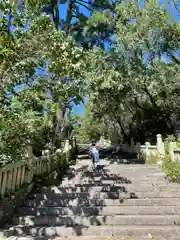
x=72 y=204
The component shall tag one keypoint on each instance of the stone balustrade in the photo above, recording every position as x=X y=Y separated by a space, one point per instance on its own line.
x=147 y=152
x=14 y=175
x=176 y=155
x=18 y=175
x=174 y=152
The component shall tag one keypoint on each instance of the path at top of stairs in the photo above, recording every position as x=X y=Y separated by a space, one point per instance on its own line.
x=115 y=202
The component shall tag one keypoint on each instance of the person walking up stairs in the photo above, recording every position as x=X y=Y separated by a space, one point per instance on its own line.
x=94 y=155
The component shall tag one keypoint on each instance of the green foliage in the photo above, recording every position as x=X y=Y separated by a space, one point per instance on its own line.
x=132 y=85
x=172 y=169
x=17 y=130
x=152 y=159
x=86 y=128
x=48 y=67
x=86 y=21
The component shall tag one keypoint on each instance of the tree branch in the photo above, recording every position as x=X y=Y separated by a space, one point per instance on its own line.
x=176 y=6
x=69 y=15
x=55 y=19
x=139 y=106
x=149 y=95
x=83 y=5
x=175 y=59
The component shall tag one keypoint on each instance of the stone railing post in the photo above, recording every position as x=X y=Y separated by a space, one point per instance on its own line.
x=138 y=144
x=47 y=155
x=172 y=146
x=147 y=152
x=66 y=146
x=59 y=151
x=74 y=142
x=160 y=149
x=29 y=171
x=30 y=154
x=74 y=148
x=137 y=147
x=132 y=147
x=67 y=150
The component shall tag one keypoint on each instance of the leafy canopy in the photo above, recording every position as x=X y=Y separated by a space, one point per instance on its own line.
x=47 y=66
x=135 y=84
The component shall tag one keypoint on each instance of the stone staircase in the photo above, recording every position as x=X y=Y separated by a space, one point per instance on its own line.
x=115 y=201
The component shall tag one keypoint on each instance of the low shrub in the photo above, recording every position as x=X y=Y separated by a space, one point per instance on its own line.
x=172 y=169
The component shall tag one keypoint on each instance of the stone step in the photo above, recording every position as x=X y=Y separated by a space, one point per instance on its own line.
x=72 y=221
x=117 y=171
x=115 y=177
x=105 y=164
x=110 y=188
x=131 y=231
x=122 y=180
x=114 y=167
x=146 y=181
x=105 y=195
x=123 y=168
x=110 y=210
x=58 y=202
x=136 y=184
x=94 y=238
x=110 y=176
x=108 y=162
x=96 y=195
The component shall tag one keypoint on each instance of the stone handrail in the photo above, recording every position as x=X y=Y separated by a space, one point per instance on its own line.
x=17 y=179
x=174 y=152
x=12 y=176
x=15 y=175
x=177 y=154
x=146 y=152
x=87 y=145
x=149 y=146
